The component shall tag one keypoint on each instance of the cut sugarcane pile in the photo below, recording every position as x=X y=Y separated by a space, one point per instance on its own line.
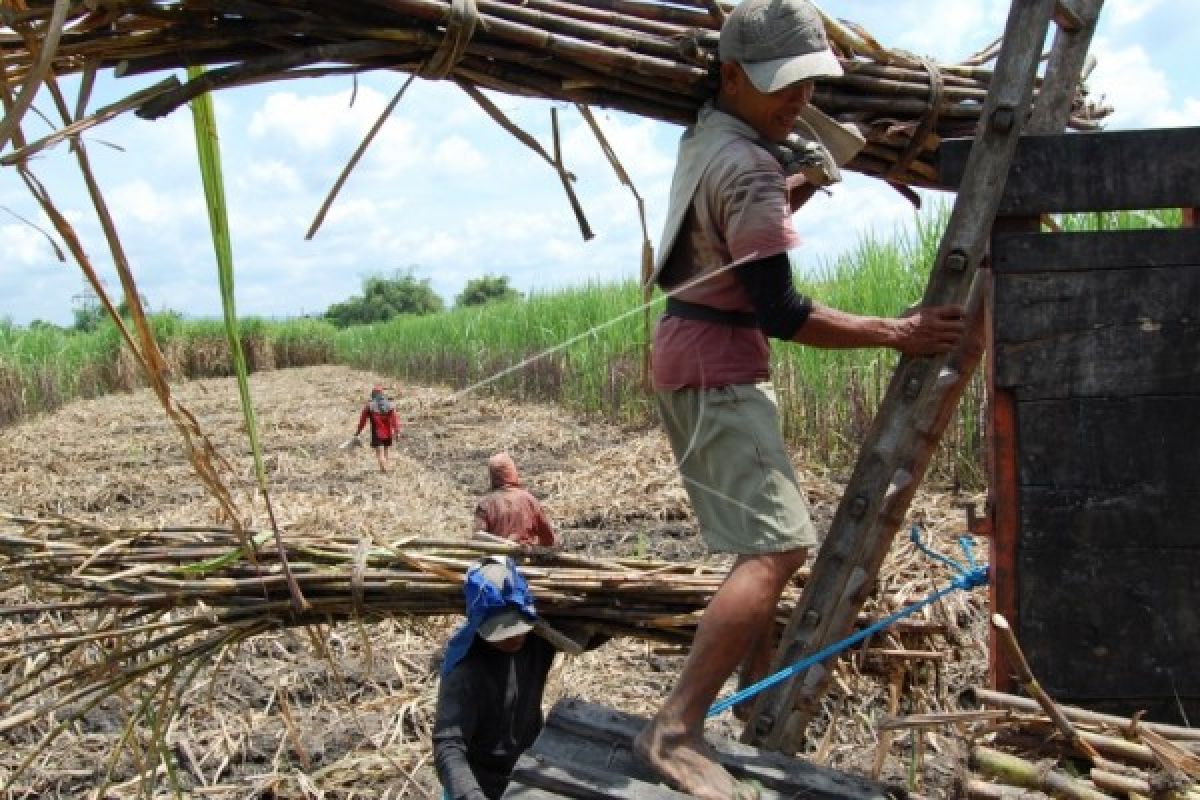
x=650 y=58
x=1014 y=749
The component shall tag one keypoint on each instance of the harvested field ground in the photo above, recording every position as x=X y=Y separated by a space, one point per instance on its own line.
x=281 y=718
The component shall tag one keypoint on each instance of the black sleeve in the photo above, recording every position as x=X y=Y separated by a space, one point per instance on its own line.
x=453 y=725
x=779 y=309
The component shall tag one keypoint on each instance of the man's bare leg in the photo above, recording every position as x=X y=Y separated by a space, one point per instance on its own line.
x=673 y=743
x=755 y=667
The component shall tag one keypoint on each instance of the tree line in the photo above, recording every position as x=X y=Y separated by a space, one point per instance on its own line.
x=383 y=298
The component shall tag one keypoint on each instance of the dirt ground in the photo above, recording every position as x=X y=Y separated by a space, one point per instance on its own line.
x=281 y=718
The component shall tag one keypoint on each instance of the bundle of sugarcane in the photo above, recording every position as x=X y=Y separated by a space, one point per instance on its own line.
x=107 y=608
x=647 y=57
x=1022 y=748
x=1100 y=755
x=221 y=580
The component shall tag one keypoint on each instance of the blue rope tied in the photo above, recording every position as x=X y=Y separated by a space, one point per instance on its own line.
x=967 y=577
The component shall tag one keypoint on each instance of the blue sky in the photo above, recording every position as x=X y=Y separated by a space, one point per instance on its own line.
x=446 y=192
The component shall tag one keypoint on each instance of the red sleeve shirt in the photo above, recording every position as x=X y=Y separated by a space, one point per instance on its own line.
x=740 y=213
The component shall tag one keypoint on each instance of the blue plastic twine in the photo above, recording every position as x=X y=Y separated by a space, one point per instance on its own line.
x=967 y=577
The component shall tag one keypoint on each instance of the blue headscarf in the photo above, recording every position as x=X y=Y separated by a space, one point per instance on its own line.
x=484 y=599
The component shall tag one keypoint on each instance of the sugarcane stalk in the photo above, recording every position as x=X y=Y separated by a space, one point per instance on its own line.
x=1015 y=771
x=976 y=789
x=1029 y=683
x=1107 y=746
x=1116 y=783
x=990 y=697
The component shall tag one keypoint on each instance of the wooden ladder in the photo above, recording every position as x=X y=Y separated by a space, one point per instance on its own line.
x=924 y=392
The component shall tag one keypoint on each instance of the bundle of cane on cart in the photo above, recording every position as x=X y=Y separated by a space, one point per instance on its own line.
x=649 y=58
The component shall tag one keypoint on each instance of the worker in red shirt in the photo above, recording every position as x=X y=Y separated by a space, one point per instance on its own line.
x=380 y=412
x=508 y=510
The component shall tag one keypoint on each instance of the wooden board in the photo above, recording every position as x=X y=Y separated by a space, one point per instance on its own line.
x=1114 y=332
x=1092 y=171
x=585 y=751
x=1097 y=519
x=1110 y=443
x=1100 y=623
x=1014 y=253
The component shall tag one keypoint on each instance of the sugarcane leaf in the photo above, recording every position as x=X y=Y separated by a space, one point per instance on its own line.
x=209 y=152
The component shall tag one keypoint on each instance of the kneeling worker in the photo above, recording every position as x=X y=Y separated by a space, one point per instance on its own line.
x=489 y=706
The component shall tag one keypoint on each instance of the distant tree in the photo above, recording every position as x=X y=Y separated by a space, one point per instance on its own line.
x=486 y=289
x=43 y=325
x=383 y=298
x=89 y=317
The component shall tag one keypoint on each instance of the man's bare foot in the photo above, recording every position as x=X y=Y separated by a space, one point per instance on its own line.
x=685 y=761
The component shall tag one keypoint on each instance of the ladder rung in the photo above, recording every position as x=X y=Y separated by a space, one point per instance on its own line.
x=1067 y=16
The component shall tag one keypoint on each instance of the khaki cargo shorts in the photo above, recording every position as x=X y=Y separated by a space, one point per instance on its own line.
x=729 y=449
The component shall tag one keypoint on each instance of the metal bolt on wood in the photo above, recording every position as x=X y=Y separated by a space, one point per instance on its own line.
x=957 y=261
x=1003 y=119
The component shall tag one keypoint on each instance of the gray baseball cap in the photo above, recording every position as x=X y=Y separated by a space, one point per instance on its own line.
x=503 y=624
x=778 y=43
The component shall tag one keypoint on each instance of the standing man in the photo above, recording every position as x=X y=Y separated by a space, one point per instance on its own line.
x=508 y=510
x=380 y=412
x=723 y=262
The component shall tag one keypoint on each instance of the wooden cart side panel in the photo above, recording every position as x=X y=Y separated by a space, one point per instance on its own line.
x=1096 y=416
x=1105 y=171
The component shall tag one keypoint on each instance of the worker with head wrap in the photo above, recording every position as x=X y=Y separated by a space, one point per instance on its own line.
x=509 y=511
x=489 y=706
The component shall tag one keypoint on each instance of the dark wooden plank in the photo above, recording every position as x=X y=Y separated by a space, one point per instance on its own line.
x=516 y=791
x=1057 y=252
x=1102 y=333
x=1116 y=361
x=1112 y=624
x=569 y=779
x=1092 y=171
x=1040 y=305
x=1103 y=443
x=594 y=739
x=1105 y=519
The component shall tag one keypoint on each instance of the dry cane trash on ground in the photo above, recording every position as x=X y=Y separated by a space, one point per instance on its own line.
x=343 y=705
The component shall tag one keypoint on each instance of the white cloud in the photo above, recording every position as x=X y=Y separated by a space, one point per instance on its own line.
x=24 y=246
x=1186 y=115
x=437 y=246
x=271 y=176
x=457 y=155
x=1127 y=79
x=636 y=143
x=934 y=27
x=1119 y=13
x=141 y=202
x=831 y=225
x=511 y=226
x=356 y=211
x=314 y=123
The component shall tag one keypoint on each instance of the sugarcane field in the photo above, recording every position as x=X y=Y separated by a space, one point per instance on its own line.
x=543 y=511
